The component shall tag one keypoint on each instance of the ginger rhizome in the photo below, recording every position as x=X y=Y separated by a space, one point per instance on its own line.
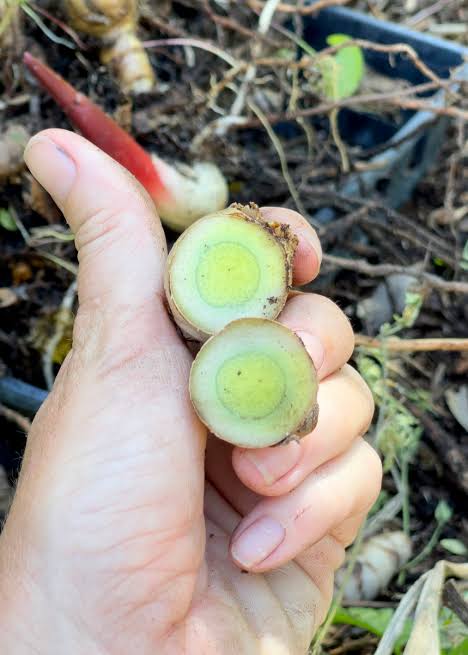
x=114 y=22
x=228 y=276
x=228 y=265
x=254 y=384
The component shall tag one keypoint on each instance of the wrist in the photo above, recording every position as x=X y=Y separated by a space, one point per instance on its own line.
x=32 y=622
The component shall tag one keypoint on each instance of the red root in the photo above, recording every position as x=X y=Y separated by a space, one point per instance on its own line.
x=99 y=128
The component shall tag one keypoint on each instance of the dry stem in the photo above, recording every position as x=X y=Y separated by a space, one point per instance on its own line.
x=391 y=98
x=382 y=270
x=257 y=5
x=394 y=344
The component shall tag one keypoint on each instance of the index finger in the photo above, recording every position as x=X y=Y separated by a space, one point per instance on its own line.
x=308 y=255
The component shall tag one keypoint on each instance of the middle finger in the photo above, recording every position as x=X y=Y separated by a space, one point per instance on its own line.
x=277 y=470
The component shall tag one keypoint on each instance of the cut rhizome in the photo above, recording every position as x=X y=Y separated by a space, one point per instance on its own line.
x=254 y=384
x=229 y=265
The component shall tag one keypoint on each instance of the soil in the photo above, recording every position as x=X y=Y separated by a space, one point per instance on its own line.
x=431 y=228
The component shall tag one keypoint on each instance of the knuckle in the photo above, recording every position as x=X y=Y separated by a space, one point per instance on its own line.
x=363 y=398
x=102 y=228
x=372 y=464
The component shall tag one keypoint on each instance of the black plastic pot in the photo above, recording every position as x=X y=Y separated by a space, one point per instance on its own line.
x=413 y=144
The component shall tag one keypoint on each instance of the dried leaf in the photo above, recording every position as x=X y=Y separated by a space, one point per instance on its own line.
x=457 y=400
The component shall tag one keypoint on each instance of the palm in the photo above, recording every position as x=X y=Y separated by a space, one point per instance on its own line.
x=145 y=532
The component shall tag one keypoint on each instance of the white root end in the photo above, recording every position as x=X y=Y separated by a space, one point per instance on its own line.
x=194 y=191
x=380 y=559
x=229 y=265
x=254 y=384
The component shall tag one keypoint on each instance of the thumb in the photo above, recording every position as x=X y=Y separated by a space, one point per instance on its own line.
x=120 y=241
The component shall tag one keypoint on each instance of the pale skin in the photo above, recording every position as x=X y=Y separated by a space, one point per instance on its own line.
x=114 y=543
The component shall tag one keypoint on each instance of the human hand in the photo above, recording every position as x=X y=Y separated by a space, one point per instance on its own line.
x=110 y=546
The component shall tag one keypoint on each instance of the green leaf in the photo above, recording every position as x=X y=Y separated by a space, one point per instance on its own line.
x=443 y=512
x=367 y=618
x=371 y=619
x=453 y=633
x=460 y=649
x=7 y=221
x=342 y=72
x=454 y=546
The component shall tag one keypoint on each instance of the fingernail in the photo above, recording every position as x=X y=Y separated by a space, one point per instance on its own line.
x=257 y=542
x=51 y=166
x=273 y=463
x=313 y=346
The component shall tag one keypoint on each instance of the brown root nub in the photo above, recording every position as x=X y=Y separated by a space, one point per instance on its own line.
x=281 y=231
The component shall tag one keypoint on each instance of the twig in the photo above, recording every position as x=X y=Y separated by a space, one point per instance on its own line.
x=63 y=26
x=394 y=344
x=427 y=12
x=390 y=97
x=382 y=270
x=230 y=24
x=15 y=417
x=59 y=261
x=308 y=62
x=146 y=13
x=282 y=157
x=377 y=604
x=194 y=43
x=388 y=512
x=333 y=118
x=304 y=11
x=264 y=22
x=428 y=547
x=40 y=23
x=420 y=105
x=394 y=48
x=353 y=644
